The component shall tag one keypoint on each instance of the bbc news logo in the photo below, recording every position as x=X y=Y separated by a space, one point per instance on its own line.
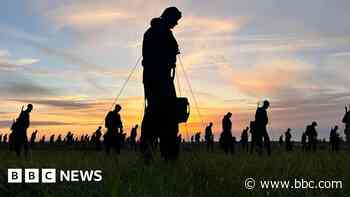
x=51 y=175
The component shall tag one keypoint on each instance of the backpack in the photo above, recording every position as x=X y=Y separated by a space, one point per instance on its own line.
x=182 y=109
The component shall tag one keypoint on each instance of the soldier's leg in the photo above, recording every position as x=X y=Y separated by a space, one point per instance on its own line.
x=259 y=143
x=106 y=142
x=147 y=134
x=117 y=143
x=25 y=146
x=252 y=144
x=17 y=146
x=267 y=142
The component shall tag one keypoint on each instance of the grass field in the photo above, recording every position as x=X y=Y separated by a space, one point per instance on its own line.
x=196 y=173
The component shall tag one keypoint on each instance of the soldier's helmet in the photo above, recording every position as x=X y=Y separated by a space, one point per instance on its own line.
x=29 y=107
x=118 y=107
x=171 y=13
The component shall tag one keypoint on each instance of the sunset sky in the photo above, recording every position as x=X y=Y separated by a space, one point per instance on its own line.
x=70 y=59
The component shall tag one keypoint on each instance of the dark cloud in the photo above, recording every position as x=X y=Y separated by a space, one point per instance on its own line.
x=23 y=88
x=8 y=123
x=55 y=103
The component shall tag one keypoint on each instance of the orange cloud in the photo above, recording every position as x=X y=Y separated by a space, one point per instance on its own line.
x=269 y=76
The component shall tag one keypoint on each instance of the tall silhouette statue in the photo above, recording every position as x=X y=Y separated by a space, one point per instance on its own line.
x=133 y=135
x=261 y=121
x=334 y=139
x=254 y=136
x=209 y=137
x=33 y=137
x=4 y=140
x=226 y=135
x=346 y=121
x=59 y=140
x=280 y=141
x=114 y=125
x=244 y=139
x=19 y=131
x=197 y=137
x=303 y=142
x=311 y=134
x=288 y=137
x=159 y=52
x=52 y=139
x=96 y=138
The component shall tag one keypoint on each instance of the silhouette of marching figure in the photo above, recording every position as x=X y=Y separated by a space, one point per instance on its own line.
x=159 y=50
x=280 y=141
x=69 y=139
x=59 y=139
x=311 y=134
x=197 y=138
x=133 y=135
x=0 y=138
x=244 y=139
x=254 y=136
x=334 y=139
x=346 y=121
x=52 y=139
x=226 y=135
x=4 y=140
x=288 y=137
x=19 y=131
x=114 y=125
x=303 y=142
x=261 y=121
x=33 y=137
x=209 y=137
x=96 y=138
x=42 y=140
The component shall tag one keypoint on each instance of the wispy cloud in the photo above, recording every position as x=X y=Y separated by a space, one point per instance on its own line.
x=268 y=77
x=9 y=63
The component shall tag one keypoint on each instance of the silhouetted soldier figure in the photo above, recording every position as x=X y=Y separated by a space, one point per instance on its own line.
x=4 y=140
x=133 y=135
x=346 y=121
x=82 y=139
x=52 y=139
x=244 y=139
x=280 y=141
x=261 y=121
x=159 y=52
x=209 y=137
x=96 y=138
x=59 y=139
x=19 y=131
x=0 y=138
x=288 y=137
x=303 y=142
x=32 y=138
x=254 y=136
x=311 y=134
x=42 y=140
x=69 y=138
x=226 y=135
x=114 y=125
x=197 y=138
x=334 y=139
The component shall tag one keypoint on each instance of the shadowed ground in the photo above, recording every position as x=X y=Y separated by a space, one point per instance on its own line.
x=196 y=173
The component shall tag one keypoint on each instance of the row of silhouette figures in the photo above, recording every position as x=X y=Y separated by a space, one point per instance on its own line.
x=115 y=138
